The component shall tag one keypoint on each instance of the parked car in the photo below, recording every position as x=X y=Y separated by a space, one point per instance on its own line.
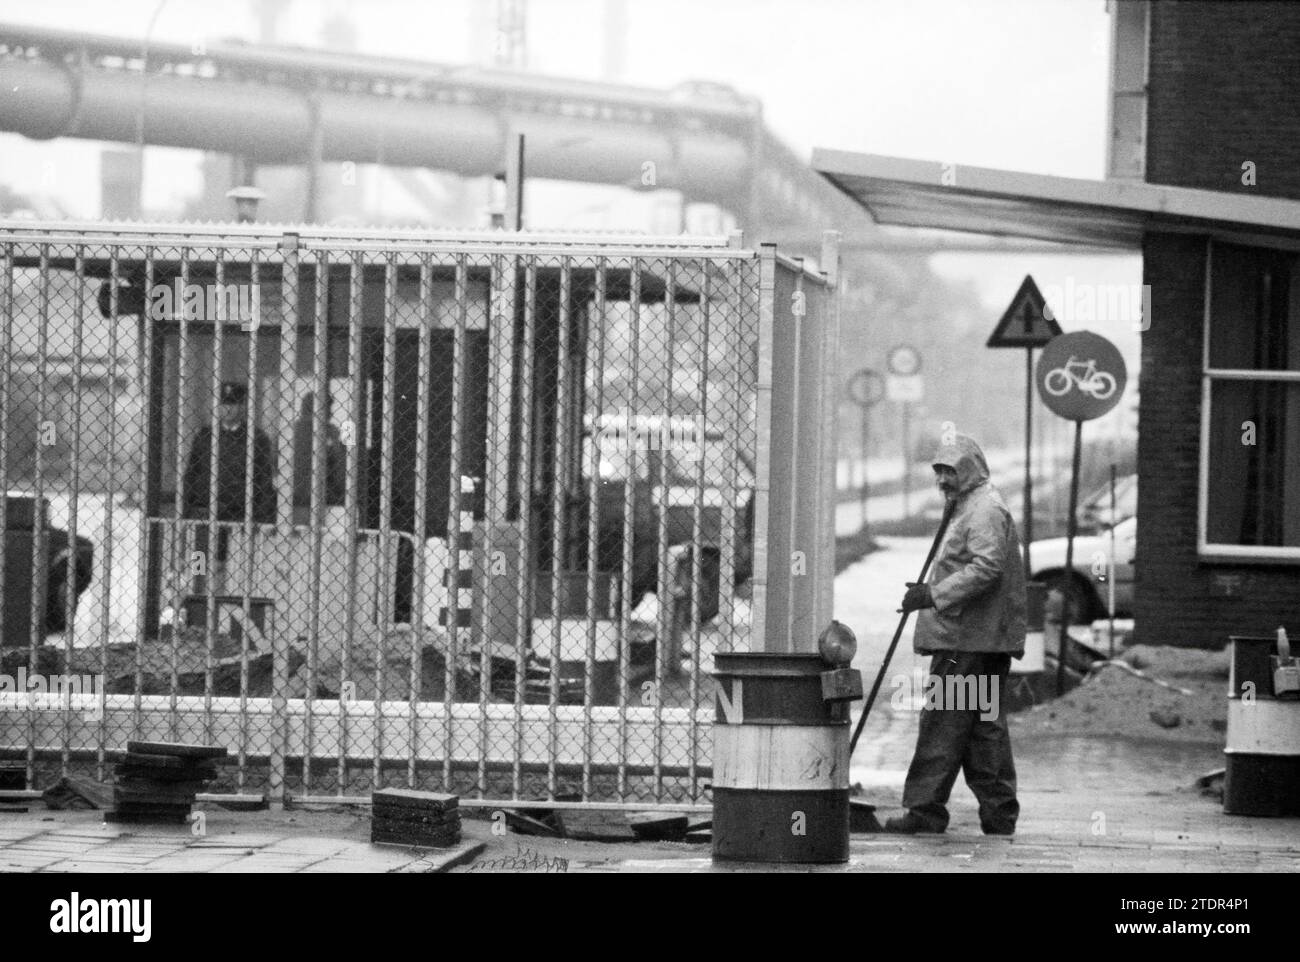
x=1086 y=587
x=1095 y=513
x=667 y=487
x=668 y=480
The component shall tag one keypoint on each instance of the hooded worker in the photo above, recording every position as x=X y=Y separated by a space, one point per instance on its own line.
x=971 y=623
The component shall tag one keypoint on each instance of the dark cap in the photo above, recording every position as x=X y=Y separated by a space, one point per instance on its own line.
x=232 y=392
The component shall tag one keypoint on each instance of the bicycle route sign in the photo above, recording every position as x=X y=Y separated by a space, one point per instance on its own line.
x=1080 y=375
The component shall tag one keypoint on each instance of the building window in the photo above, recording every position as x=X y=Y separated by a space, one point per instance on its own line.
x=1250 y=437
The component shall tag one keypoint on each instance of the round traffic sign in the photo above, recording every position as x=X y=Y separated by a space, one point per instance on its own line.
x=866 y=387
x=904 y=360
x=1080 y=375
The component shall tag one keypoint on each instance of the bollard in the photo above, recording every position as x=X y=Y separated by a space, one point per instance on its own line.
x=460 y=590
x=1262 y=751
x=781 y=757
x=1032 y=661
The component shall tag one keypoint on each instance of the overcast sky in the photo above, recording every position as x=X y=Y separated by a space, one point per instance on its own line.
x=1019 y=84
x=1015 y=84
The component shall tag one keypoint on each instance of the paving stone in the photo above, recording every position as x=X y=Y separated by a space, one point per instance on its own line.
x=308 y=845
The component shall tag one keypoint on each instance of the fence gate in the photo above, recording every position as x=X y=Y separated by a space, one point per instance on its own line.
x=469 y=512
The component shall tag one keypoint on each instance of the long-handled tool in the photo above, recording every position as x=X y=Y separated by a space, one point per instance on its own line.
x=898 y=632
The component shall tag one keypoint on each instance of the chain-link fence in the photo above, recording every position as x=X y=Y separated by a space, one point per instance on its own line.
x=464 y=513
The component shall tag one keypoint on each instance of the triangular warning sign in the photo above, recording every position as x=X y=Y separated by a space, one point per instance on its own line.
x=1028 y=321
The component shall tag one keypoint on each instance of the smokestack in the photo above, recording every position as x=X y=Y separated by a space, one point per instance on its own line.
x=246 y=200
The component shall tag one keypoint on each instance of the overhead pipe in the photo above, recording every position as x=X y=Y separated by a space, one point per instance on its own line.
x=274 y=126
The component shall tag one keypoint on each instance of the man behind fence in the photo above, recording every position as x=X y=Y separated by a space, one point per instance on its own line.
x=971 y=623
x=232 y=452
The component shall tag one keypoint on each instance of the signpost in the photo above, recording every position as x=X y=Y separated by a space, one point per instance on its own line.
x=1027 y=323
x=1080 y=376
x=904 y=386
x=865 y=389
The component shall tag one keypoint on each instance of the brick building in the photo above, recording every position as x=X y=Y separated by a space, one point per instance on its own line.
x=1203 y=178
x=1219 y=517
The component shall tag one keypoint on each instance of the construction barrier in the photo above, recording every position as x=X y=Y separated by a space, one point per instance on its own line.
x=468 y=512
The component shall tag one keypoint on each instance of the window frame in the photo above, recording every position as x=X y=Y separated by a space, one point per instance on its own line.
x=1217 y=551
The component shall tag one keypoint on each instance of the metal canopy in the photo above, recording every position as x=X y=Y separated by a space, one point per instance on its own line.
x=1101 y=213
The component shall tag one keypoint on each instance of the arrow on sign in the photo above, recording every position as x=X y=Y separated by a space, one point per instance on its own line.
x=1028 y=321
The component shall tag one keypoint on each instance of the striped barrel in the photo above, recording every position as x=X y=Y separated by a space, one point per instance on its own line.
x=780 y=761
x=461 y=589
x=1262 y=767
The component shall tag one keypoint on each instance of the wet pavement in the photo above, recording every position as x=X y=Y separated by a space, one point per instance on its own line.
x=219 y=842
x=1087 y=805
x=1091 y=804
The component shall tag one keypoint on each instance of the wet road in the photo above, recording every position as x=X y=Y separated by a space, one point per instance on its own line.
x=867 y=595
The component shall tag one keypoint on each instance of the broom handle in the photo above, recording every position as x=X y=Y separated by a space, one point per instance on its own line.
x=898 y=632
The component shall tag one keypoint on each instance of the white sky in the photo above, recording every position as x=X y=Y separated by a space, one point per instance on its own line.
x=1014 y=84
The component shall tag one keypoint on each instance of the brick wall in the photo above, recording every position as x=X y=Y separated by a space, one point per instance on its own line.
x=1179 y=599
x=1225 y=88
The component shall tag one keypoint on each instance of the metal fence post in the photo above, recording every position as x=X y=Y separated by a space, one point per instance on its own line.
x=767 y=607
x=830 y=262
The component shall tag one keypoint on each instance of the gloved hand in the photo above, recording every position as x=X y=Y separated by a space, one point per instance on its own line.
x=918 y=596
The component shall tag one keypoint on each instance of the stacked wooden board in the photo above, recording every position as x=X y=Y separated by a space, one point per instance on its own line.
x=158 y=781
x=401 y=816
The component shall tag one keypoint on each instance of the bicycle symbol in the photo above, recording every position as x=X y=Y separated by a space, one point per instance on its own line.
x=1097 y=383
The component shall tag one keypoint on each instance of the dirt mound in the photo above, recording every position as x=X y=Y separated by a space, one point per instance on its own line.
x=1165 y=662
x=1129 y=699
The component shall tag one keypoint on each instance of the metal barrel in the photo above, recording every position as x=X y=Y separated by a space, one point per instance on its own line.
x=1262 y=768
x=780 y=761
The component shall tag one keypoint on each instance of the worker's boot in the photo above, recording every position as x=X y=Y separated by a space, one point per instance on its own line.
x=912 y=824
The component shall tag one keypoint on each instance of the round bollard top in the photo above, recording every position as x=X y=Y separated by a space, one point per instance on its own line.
x=838 y=644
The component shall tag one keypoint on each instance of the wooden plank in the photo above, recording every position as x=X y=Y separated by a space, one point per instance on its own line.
x=595 y=826
x=153 y=798
x=524 y=825
x=177 y=749
x=145 y=760
x=428 y=840
x=657 y=827
x=413 y=818
x=70 y=788
x=409 y=798
x=188 y=773
x=234 y=803
x=179 y=818
x=139 y=786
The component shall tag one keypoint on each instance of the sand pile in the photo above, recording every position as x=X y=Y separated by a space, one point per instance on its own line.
x=1191 y=705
